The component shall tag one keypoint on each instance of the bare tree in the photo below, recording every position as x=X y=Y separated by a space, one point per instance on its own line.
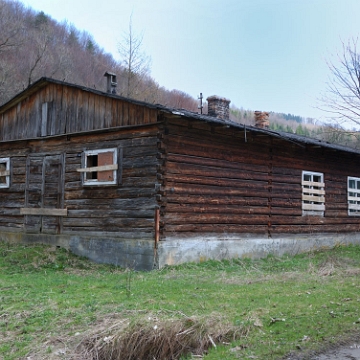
x=134 y=60
x=342 y=100
x=11 y=39
x=10 y=25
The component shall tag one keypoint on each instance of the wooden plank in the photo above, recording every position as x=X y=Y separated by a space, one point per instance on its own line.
x=251 y=191
x=43 y=211
x=336 y=206
x=355 y=191
x=216 y=163
x=190 y=209
x=108 y=112
x=196 y=218
x=313 y=207
x=312 y=183
x=98 y=168
x=90 y=115
x=132 y=112
x=108 y=223
x=5 y=173
x=215 y=199
x=303 y=229
x=231 y=183
x=113 y=213
x=144 y=203
x=216 y=228
x=44 y=120
x=354 y=207
x=350 y=198
x=319 y=199
x=313 y=191
x=110 y=192
x=312 y=220
x=214 y=172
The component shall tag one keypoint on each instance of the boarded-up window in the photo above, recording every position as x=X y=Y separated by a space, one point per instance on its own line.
x=100 y=167
x=313 y=193
x=4 y=172
x=354 y=196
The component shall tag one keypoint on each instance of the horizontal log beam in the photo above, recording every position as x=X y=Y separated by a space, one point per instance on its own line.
x=43 y=212
x=216 y=228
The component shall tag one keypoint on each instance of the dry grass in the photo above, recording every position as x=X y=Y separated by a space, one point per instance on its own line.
x=330 y=266
x=150 y=338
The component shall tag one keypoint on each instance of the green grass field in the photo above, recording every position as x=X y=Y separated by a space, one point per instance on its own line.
x=54 y=305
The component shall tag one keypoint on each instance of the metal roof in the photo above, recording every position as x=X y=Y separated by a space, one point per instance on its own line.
x=290 y=137
x=182 y=113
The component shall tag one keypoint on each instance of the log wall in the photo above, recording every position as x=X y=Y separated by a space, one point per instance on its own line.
x=218 y=180
x=126 y=209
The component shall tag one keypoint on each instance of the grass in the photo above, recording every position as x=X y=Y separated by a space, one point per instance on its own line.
x=54 y=305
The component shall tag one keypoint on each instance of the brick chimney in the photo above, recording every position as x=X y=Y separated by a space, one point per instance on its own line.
x=262 y=119
x=218 y=107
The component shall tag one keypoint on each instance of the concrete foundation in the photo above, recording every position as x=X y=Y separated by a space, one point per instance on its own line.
x=139 y=254
x=201 y=248
x=128 y=253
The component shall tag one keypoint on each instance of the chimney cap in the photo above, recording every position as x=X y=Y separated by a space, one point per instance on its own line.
x=216 y=97
x=107 y=73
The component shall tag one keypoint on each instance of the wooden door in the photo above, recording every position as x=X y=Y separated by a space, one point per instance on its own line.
x=44 y=193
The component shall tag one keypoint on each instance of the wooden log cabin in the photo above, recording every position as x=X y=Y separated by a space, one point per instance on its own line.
x=141 y=185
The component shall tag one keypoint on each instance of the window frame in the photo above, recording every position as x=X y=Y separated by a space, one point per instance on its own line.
x=87 y=169
x=356 y=205
x=313 y=196
x=6 y=184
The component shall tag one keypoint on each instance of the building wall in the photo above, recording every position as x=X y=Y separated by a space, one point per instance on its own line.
x=56 y=109
x=113 y=223
x=212 y=182
x=222 y=186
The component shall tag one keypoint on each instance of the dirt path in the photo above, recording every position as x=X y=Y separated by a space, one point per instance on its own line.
x=346 y=352
x=345 y=349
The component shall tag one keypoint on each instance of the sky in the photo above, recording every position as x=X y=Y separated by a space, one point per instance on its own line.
x=268 y=55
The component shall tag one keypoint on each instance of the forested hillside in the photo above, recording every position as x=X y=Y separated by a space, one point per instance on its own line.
x=33 y=45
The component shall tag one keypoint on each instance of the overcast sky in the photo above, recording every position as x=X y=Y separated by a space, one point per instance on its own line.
x=267 y=55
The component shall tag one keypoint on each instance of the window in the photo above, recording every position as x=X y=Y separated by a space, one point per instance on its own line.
x=313 y=193
x=4 y=172
x=100 y=167
x=353 y=196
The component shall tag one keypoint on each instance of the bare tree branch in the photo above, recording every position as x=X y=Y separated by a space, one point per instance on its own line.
x=342 y=100
x=134 y=60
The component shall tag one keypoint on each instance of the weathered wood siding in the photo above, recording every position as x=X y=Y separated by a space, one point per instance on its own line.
x=220 y=180
x=288 y=162
x=126 y=209
x=57 y=109
x=13 y=198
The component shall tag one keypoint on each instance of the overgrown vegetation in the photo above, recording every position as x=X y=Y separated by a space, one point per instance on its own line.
x=56 y=305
